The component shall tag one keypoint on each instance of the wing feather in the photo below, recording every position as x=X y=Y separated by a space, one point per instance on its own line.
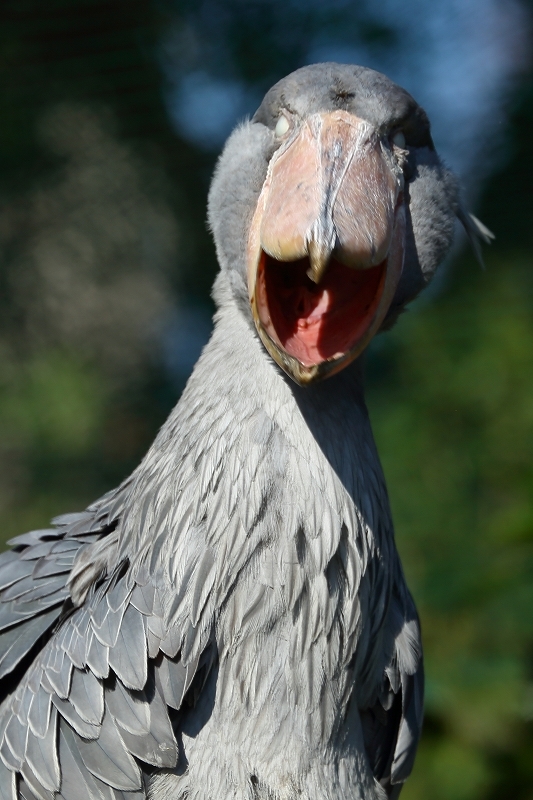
x=8 y=785
x=392 y=727
x=42 y=757
x=108 y=759
x=31 y=788
x=128 y=656
x=83 y=728
x=15 y=643
x=77 y=780
x=87 y=696
x=39 y=711
x=90 y=710
x=97 y=656
x=130 y=710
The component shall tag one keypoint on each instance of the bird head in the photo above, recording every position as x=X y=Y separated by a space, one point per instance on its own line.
x=330 y=211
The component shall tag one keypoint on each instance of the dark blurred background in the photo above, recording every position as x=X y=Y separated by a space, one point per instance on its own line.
x=111 y=117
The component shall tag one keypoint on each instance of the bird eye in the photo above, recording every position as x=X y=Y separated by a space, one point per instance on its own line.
x=399 y=140
x=282 y=126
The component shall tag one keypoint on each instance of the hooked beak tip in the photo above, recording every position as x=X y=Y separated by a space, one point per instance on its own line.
x=319 y=255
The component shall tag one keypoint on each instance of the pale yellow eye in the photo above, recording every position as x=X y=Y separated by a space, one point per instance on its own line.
x=282 y=126
x=399 y=140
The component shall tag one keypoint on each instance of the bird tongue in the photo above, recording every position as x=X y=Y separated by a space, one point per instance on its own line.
x=314 y=323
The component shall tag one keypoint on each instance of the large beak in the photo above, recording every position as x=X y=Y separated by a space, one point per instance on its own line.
x=326 y=245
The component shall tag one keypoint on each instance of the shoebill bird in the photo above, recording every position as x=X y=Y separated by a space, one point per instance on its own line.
x=233 y=620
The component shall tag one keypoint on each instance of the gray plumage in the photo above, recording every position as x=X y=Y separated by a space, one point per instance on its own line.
x=232 y=621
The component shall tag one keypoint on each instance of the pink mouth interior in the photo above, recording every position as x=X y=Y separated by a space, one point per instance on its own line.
x=315 y=323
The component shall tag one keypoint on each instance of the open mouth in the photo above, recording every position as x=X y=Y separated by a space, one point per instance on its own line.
x=313 y=322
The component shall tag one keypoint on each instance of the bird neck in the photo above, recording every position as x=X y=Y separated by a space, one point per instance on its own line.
x=281 y=485
x=327 y=423
x=244 y=437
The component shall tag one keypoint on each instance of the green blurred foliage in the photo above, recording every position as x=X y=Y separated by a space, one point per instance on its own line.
x=452 y=405
x=450 y=388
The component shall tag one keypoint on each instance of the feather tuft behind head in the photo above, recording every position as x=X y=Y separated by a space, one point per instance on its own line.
x=476 y=232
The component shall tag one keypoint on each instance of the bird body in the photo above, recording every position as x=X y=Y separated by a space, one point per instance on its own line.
x=233 y=620
x=289 y=577
x=298 y=587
